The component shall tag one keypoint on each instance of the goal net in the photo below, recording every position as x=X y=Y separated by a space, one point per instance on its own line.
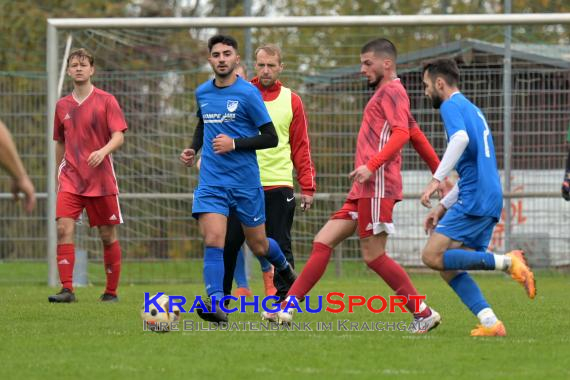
x=153 y=73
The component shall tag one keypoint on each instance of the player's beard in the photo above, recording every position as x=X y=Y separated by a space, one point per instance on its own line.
x=227 y=73
x=436 y=100
x=267 y=82
x=374 y=84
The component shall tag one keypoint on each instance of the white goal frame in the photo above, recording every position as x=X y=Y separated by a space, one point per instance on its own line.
x=56 y=24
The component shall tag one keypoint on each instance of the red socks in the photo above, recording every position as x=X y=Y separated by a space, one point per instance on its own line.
x=65 y=264
x=112 y=260
x=313 y=270
x=397 y=278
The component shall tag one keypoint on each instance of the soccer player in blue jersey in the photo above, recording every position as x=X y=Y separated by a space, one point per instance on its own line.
x=462 y=224
x=236 y=123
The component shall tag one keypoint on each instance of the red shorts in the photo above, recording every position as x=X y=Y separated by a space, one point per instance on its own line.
x=102 y=211
x=374 y=215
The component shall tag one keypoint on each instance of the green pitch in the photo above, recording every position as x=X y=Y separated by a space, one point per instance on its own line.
x=90 y=340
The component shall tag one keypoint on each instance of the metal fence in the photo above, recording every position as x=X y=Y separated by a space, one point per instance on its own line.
x=159 y=236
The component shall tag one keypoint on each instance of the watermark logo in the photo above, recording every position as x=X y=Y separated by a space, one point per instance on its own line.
x=342 y=325
x=334 y=302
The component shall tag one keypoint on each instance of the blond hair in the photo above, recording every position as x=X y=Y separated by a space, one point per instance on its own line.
x=269 y=49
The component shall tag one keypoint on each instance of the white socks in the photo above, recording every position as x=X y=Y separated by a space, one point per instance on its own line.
x=487 y=317
x=502 y=262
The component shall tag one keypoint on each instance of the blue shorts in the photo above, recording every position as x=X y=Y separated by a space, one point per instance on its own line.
x=473 y=231
x=248 y=203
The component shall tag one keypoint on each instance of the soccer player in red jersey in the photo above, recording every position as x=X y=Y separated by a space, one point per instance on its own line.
x=88 y=127
x=387 y=125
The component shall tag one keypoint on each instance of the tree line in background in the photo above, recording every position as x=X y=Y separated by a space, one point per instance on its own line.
x=23 y=23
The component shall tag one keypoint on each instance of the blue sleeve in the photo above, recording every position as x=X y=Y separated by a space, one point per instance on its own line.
x=256 y=109
x=452 y=119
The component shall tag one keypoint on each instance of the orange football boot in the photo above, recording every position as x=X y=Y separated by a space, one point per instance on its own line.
x=498 y=329
x=243 y=292
x=268 y=283
x=521 y=272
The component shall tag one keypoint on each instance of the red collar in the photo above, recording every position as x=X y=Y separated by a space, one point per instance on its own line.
x=268 y=94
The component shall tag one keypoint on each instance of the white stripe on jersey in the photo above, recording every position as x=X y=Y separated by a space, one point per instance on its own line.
x=61 y=165
x=114 y=176
x=379 y=180
x=379 y=183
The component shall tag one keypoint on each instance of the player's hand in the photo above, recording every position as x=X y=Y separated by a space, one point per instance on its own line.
x=223 y=144
x=361 y=174
x=95 y=158
x=433 y=218
x=566 y=188
x=306 y=201
x=187 y=157
x=431 y=188
x=444 y=188
x=25 y=186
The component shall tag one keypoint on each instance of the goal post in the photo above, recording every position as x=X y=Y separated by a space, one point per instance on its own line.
x=55 y=25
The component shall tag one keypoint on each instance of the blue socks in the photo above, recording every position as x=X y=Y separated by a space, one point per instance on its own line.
x=265 y=265
x=275 y=256
x=239 y=272
x=214 y=271
x=469 y=292
x=460 y=259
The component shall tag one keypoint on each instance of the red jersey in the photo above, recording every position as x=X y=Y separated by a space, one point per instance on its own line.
x=386 y=114
x=84 y=128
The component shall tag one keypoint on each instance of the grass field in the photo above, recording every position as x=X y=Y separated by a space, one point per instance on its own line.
x=90 y=340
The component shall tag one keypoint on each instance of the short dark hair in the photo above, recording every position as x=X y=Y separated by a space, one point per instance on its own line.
x=222 y=39
x=380 y=45
x=443 y=67
x=81 y=54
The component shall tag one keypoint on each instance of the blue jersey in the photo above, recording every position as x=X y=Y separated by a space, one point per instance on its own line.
x=236 y=111
x=479 y=184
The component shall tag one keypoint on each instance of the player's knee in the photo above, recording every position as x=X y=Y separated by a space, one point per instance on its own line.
x=258 y=246
x=369 y=255
x=214 y=239
x=64 y=232
x=431 y=259
x=327 y=242
x=107 y=236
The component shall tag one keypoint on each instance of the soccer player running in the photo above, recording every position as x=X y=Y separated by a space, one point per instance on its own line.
x=387 y=125
x=236 y=123
x=234 y=235
x=462 y=224
x=88 y=127
x=10 y=161
x=276 y=169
